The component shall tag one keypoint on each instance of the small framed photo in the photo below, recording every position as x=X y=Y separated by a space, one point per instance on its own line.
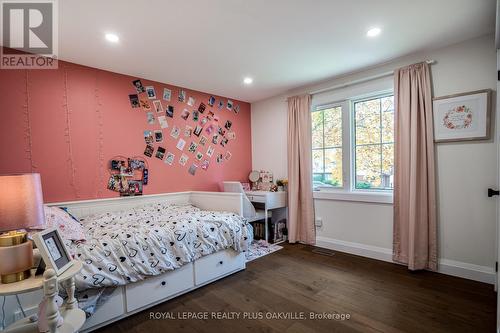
x=150 y=91
x=462 y=117
x=52 y=249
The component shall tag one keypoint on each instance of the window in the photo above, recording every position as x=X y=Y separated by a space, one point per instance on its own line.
x=327 y=147
x=374 y=143
x=353 y=144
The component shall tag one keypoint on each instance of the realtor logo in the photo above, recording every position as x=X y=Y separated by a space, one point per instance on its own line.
x=29 y=34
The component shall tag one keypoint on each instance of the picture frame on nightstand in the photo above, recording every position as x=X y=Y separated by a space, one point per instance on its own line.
x=52 y=249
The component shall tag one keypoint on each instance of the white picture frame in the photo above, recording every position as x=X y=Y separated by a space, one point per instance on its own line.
x=462 y=117
x=52 y=249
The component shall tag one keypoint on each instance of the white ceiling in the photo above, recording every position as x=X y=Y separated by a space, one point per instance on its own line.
x=282 y=44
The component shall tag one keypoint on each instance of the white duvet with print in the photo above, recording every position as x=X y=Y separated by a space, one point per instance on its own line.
x=128 y=246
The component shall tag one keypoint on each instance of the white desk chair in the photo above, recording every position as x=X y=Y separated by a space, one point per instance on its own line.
x=249 y=211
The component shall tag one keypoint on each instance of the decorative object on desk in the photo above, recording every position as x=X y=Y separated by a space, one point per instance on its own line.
x=128 y=175
x=21 y=207
x=462 y=117
x=273 y=188
x=254 y=177
x=282 y=183
x=266 y=181
x=246 y=186
x=52 y=249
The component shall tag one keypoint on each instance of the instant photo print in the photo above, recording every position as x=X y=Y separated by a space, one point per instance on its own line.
x=138 y=86
x=134 y=101
x=150 y=91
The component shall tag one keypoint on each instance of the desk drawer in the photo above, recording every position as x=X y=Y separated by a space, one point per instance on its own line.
x=217 y=264
x=257 y=198
x=142 y=293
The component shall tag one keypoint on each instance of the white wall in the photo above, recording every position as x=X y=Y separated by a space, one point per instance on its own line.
x=467 y=218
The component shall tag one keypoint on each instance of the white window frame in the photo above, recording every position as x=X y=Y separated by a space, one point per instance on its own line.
x=348 y=191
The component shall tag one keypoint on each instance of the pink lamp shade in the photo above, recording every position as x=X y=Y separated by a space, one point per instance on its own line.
x=21 y=202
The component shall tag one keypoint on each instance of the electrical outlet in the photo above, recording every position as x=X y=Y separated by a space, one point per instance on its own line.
x=318 y=222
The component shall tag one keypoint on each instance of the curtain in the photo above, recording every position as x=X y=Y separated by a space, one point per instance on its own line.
x=300 y=199
x=415 y=226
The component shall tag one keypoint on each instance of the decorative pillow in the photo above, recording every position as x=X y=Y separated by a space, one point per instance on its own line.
x=71 y=229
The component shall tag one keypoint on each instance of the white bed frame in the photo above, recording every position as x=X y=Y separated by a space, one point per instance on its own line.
x=136 y=297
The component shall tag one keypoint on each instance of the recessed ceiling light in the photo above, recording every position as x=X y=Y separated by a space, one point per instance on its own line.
x=373 y=32
x=112 y=38
x=247 y=80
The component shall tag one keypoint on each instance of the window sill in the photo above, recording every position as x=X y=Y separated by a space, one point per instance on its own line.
x=361 y=196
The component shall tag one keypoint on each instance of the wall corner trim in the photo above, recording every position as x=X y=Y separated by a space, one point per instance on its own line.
x=446 y=266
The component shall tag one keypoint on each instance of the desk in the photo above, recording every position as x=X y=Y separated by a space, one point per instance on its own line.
x=271 y=200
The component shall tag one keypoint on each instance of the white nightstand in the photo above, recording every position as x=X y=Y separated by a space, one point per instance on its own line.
x=74 y=318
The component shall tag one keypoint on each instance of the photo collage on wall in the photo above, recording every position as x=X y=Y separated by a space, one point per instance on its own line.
x=127 y=175
x=197 y=131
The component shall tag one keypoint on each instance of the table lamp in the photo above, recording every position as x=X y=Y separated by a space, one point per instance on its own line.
x=21 y=207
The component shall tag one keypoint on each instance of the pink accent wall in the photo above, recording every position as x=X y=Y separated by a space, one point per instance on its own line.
x=66 y=124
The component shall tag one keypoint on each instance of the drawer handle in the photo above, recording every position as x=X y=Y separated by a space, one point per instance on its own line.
x=163 y=283
x=221 y=262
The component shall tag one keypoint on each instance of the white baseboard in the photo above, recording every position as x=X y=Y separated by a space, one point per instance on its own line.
x=450 y=267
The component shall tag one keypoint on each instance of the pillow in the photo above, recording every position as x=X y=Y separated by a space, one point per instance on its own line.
x=71 y=229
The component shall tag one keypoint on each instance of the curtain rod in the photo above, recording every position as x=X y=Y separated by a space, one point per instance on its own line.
x=366 y=79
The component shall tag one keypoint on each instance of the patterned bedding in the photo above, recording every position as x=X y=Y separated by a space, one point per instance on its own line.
x=128 y=246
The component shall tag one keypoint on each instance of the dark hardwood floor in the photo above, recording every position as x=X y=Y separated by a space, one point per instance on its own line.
x=378 y=297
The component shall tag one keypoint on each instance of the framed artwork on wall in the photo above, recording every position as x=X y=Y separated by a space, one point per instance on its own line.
x=462 y=117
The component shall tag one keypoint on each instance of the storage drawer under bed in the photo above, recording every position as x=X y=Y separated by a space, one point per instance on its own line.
x=217 y=264
x=160 y=287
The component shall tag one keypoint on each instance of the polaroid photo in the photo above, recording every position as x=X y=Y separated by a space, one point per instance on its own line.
x=138 y=86
x=215 y=139
x=211 y=101
x=170 y=111
x=149 y=150
x=163 y=121
x=231 y=135
x=202 y=107
x=210 y=115
x=158 y=136
x=209 y=129
x=228 y=124
x=160 y=153
x=145 y=104
x=150 y=118
x=157 y=105
x=150 y=91
x=219 y=158
x=199 y=156
x=185 y=114
x=191 y=101
x=192 y=147
x=204 y=165
x=180 y=144
x=134 y=188
x=183 y=159
x=192 y=169
x=197 y=130
x=236 y=109
x=148 y=137
x=188 y=130
x=167 y=94
x=228 y=155
x=221 y=105
x=203 y=121
x=175 y=132
x=203 y=140
x=196 y=115
x=134 y=100
x=117 y=164
x=136 y=164
x=216 y=118
x=182 y=96
x=221 y=131
x=224 y=142
x=210 y=151
x=229 y=105
x=170 y=158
